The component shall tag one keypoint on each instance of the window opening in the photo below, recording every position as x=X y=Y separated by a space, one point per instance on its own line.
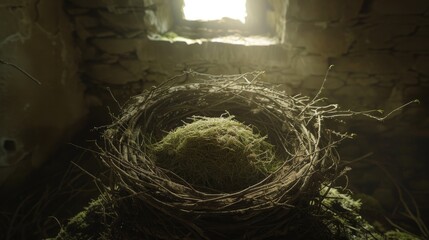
x=243 y=22
x=210 y=10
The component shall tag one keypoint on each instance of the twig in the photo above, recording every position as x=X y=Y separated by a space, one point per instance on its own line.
x=22 y=71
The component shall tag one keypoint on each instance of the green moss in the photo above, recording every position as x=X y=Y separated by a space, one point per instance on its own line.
x=217 y=153
x=336 y=218
x=398 y=235
x=344 y=221
x=87 y=224
x=342 y=217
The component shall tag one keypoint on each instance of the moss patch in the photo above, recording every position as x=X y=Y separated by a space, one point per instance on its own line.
x=91 y=223
x=217 y=153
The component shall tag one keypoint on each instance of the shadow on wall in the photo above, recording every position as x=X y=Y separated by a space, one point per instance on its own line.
x=36 y=119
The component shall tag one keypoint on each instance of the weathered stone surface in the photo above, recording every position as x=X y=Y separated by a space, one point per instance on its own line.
x=315 y=83
x=372 y=63
x=415 y=92
x=281 y=78
x=116 y=45
x=77 y=11
x=363 y=81
x=329 y=41
x=414 y=114
x=107 y=3
x=422 y=65
x=110 y=74
x=134 y=66
x=387 y=78
x=48 y=15
x=89 y=53
x=102 y=33
x=86 y=21
x=123 y=22
x=388 y=7
x=359 y=97
x=423 y=31
x=160 y=21
x=36 y=119
x=377 y=36
x=9 y=26
x=12 y=3
x=82 y=32
x=412 y=44
x=311 y=65
x=323 y=10
x=397 y=19
x=108 y=58
x=408 y=78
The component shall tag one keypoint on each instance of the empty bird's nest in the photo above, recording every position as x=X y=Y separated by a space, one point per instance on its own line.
x=218 y=157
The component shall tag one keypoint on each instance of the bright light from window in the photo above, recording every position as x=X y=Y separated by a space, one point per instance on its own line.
x=208 y=10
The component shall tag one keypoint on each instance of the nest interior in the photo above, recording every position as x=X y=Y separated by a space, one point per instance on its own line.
x=217 y=154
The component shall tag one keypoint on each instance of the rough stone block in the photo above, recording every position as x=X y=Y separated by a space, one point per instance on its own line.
x=359 y=97
x=372 y=63
x=107 y=3
x=323 y=10
x=315 y=83
x=134 y=66
x=77 y=11
x=86 y=21
x=388 y=7
x=123 y=22
x=422 y=65
x=8 y=25
x=410 y=79
x=415 y=92
x=116 y=45
x=363 y=81
x=89 y=53
x=385 y=32
x=398 y=19
x=311 y=65
x=110 y=74
x=412 y=44
x=423 y=31
x=82 y=32
x=326 y=41
x=12 y=3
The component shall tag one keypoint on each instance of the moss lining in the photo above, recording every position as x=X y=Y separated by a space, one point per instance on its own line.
x=217 y=153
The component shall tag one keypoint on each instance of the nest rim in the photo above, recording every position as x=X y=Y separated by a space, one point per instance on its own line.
x=313 y=159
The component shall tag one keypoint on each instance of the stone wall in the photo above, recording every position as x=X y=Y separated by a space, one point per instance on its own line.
x=379 y=49
x=36 y=119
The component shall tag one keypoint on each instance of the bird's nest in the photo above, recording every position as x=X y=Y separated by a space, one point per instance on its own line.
x=154 y=200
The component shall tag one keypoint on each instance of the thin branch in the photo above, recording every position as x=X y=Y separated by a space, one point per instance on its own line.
x=22 y=71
